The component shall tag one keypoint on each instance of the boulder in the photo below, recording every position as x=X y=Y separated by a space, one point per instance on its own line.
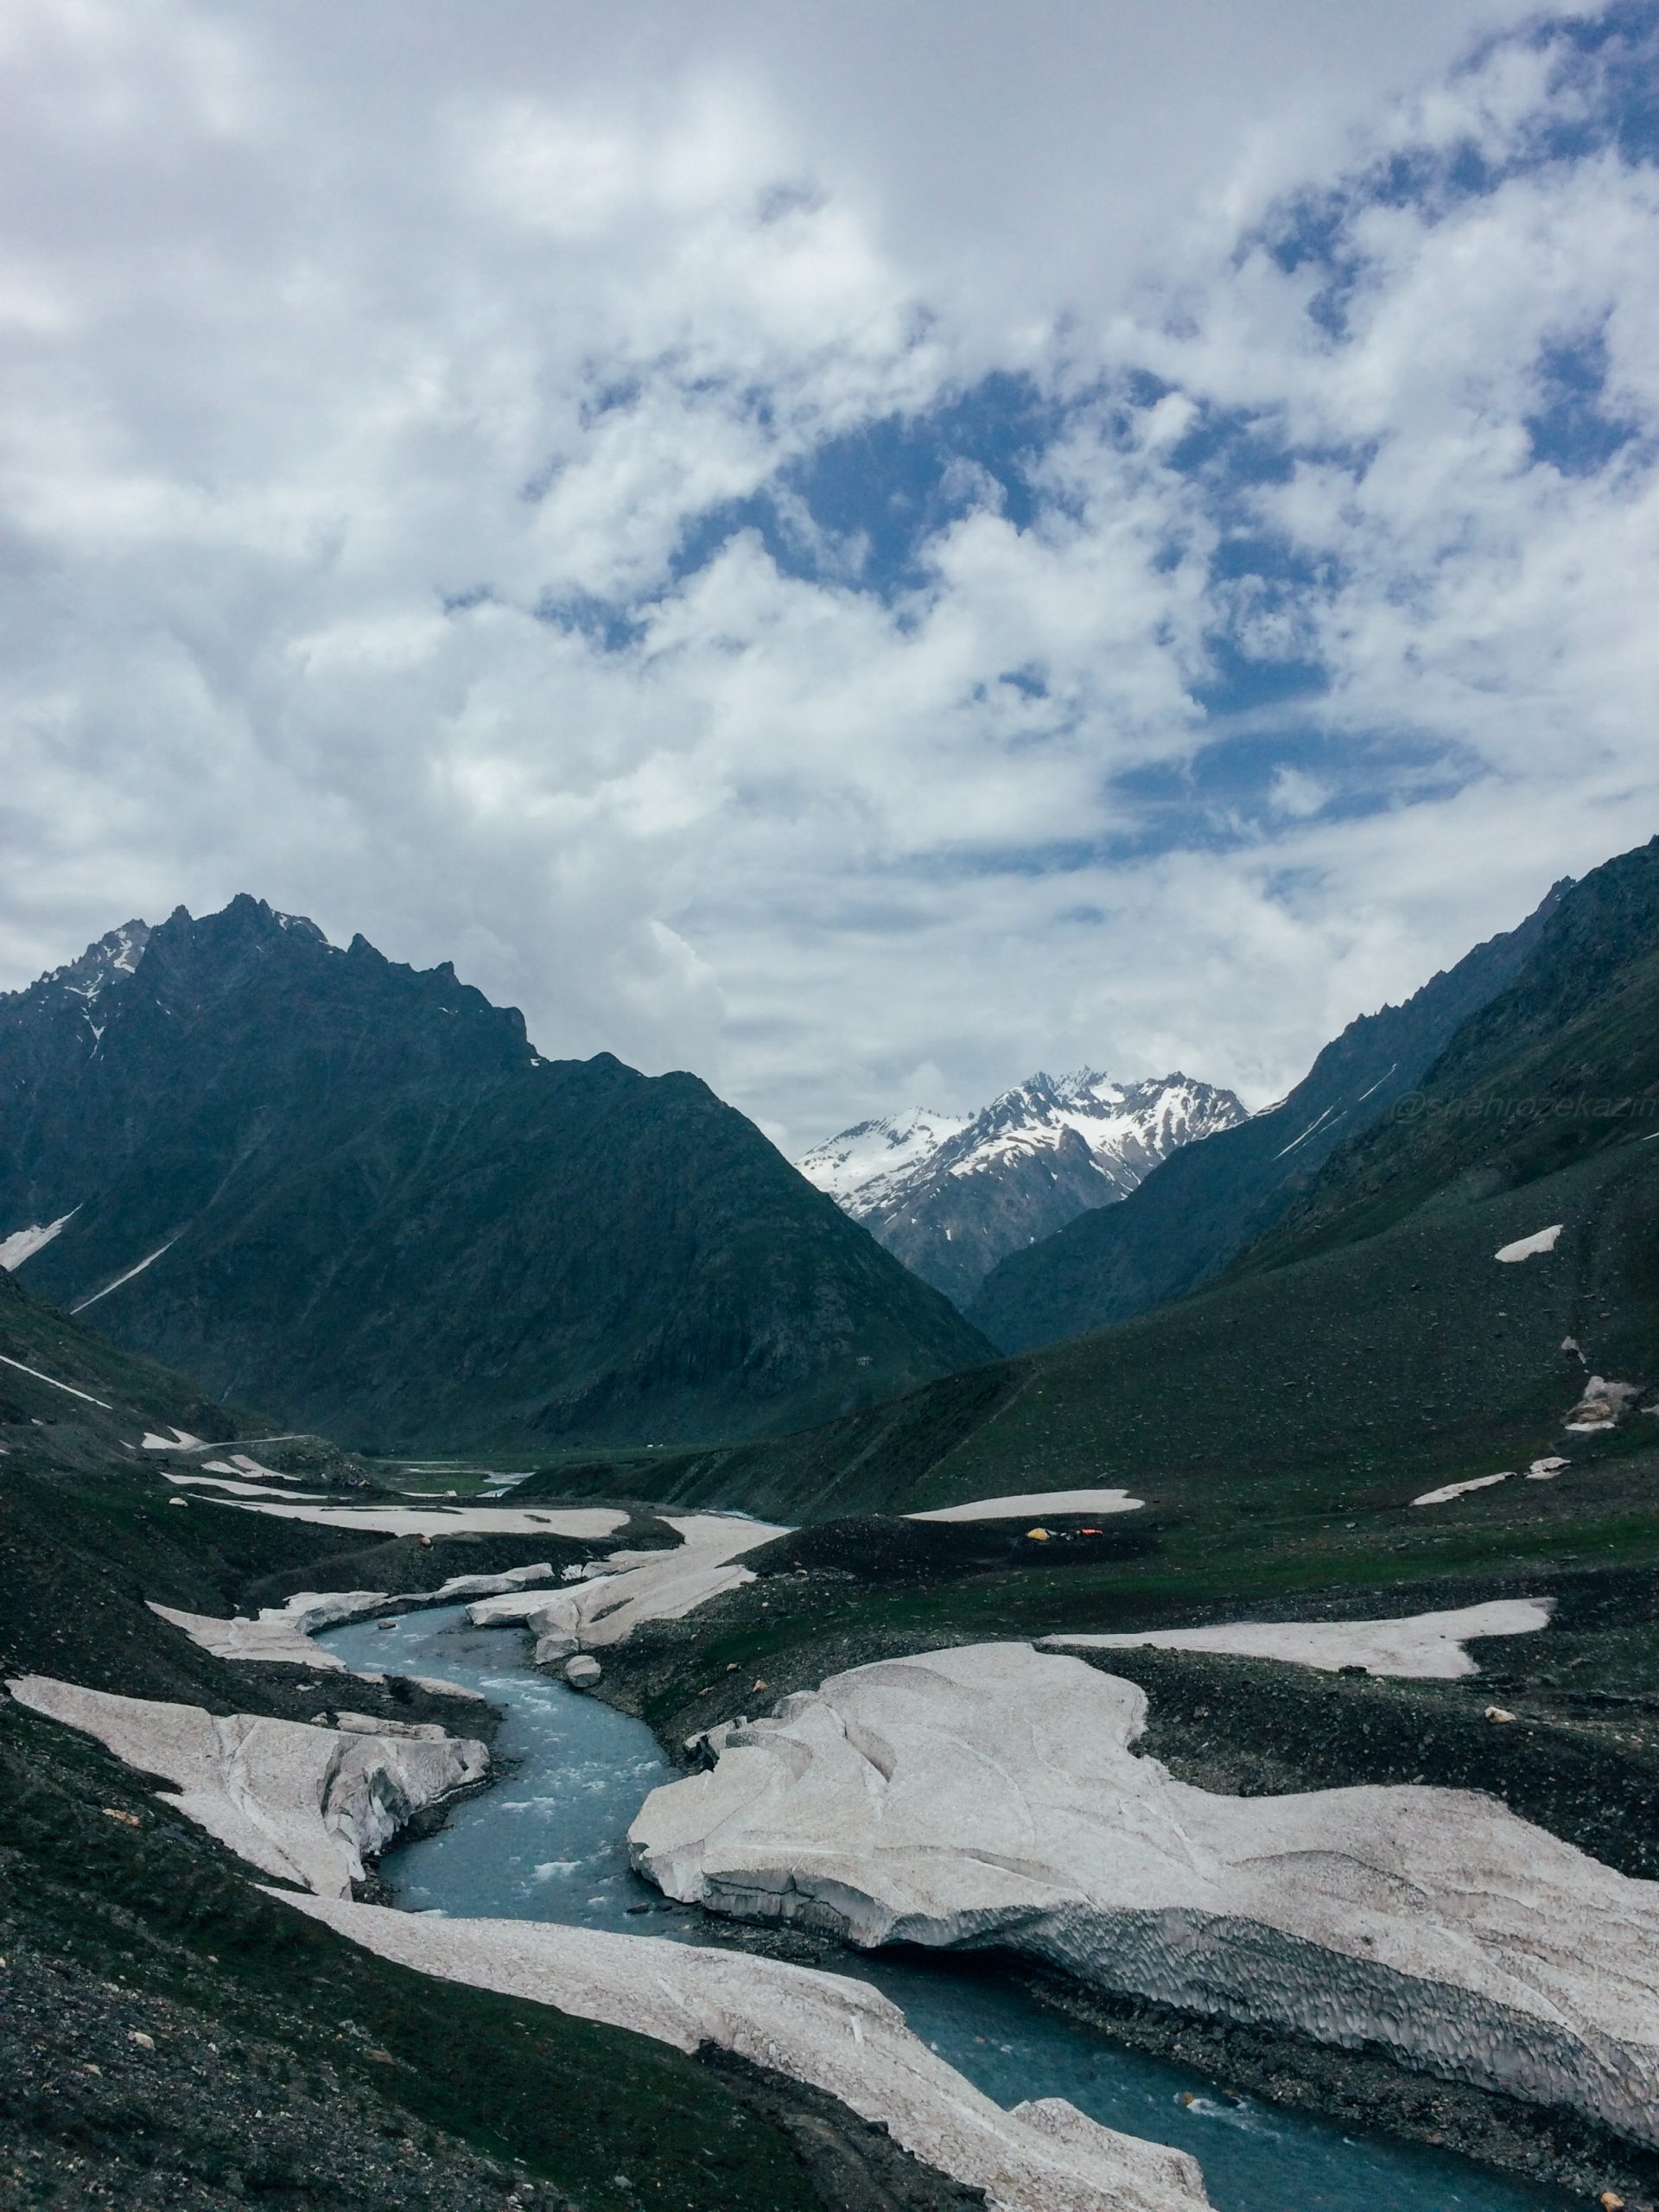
x=581 y=1672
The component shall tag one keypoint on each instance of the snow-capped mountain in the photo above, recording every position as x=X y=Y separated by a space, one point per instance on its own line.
x=951 y=1194
x=860 y=1166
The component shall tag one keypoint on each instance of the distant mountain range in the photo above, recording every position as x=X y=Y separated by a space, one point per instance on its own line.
x=354 y=1194
x=951 y=1194
x=1209 y=1203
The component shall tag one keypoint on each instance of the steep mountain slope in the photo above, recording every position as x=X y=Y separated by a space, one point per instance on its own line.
x=949 y=1196
x=1376 y=1346
x=1561 y=1066
x=1206 y=1203
x=354 y=1193
x=62 y=1380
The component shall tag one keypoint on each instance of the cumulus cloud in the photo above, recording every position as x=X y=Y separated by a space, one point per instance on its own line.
x=837 y=550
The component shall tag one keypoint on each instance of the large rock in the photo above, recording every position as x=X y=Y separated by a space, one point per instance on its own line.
x=838 y=2035
x=988 y=1796
x=304 y=1803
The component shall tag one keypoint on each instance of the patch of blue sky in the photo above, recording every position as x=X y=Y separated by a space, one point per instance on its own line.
x=607 y=623
x=861 y=507
x=1572 y=428
x=1604 y=97
x=1611 y=61
x=1244 y=783
x=1241 y=682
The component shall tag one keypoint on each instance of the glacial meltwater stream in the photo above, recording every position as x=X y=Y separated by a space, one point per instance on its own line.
x=548 y=1841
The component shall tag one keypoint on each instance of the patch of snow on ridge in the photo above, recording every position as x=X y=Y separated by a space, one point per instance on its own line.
x=56 y=1385
x=1420 y=1647
x=128 y=1277
x=1029 y=1503
x=1449 y=1491
x=872 y=1153
x=1525 y=1248
x=23 y=1243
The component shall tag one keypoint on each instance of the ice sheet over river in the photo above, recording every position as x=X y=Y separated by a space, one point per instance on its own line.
x=989 y=1794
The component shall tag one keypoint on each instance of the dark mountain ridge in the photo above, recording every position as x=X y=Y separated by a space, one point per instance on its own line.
x=1207 y=1203
x=351 y=1192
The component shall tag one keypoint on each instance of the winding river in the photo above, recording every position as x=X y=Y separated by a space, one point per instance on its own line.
x=548 y=1842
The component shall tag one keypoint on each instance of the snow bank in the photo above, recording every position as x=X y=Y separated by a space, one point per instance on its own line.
x=837 y=2035
x=1421 y=1647
x=1029 y=1503
x=988 y=1796
x=304 y=1803
x=1525 y=1248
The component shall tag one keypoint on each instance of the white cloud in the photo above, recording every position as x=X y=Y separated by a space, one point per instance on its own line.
x=364 y=374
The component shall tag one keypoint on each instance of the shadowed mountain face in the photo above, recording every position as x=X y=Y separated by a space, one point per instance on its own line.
x=354 y=1193
x=1207 y=1203
x=949 y=1196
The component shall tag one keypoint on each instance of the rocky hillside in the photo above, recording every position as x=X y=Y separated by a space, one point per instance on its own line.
x=1207 y=1203
x=951 y=1195
x=354 y=1194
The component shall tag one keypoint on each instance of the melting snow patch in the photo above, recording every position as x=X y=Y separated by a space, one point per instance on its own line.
x=1036 y=1500
x=128 y=1277
x=1545 y=1471
x=1525 y=1248
x=180 y=1440
x=1422 y=1645
x=1599 y=1409
x=56 y=1385
x=23 y=1243
x=1458 y=1489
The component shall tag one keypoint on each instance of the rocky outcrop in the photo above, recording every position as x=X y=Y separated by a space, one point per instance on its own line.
x=988 y=1796
x=304 y=1803
x=637 y=1586
x=837 y=2035
x=1421 y=1646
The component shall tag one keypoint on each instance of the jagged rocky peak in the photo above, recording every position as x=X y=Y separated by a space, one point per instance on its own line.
x=951 y=1194
x=118 y=952
x=351 y=1189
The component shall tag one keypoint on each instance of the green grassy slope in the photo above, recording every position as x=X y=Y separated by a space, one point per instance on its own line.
x=1559 y=1067
x=1278 y=1426
x=1371 y=1346
x=283 y=2063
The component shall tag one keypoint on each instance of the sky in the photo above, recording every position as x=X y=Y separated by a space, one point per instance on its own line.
x=860 y=549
